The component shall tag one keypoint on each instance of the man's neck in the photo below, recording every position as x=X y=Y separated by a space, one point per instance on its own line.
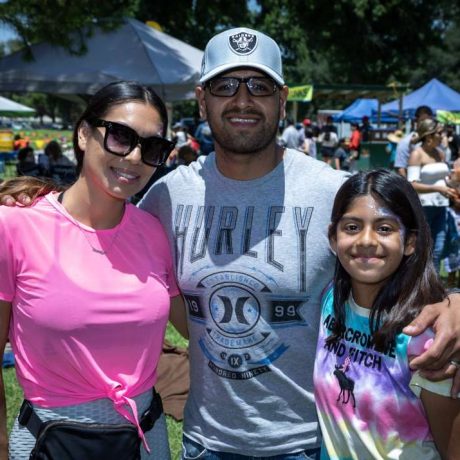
x=248 y=166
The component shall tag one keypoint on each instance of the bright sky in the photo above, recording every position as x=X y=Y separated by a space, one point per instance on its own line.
x=6 y=33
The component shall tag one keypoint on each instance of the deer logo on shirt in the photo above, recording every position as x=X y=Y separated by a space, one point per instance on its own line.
x=347 y=385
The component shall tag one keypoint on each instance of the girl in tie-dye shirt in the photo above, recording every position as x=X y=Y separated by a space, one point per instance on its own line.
x=370 y=405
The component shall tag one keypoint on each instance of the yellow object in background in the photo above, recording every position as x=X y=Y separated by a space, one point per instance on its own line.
x=39 y=143
x=6 y=140
x=154 y=25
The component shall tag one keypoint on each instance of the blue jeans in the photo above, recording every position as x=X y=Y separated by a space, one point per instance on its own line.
x=436 y=216
x=192 y=450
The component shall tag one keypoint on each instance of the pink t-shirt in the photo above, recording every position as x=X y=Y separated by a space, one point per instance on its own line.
x=84 y=325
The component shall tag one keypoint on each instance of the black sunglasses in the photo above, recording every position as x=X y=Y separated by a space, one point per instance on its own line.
x=229 y=86
x=121 y=140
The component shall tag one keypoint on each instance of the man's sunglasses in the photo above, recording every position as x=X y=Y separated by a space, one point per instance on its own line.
x=228 y=86
x=121 y=140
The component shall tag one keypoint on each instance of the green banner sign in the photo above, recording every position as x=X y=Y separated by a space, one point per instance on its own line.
x=301 y=93
x=452 y=118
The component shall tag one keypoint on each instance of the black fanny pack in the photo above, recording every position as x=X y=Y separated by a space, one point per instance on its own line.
x=68 y=440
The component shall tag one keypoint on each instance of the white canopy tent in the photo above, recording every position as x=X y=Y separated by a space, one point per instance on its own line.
x=135 y=51
x=9 y=108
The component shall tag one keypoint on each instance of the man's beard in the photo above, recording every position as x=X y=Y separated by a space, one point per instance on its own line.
x=244 y=142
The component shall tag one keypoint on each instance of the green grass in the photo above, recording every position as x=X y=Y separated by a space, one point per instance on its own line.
x=14 y=398
x=9 y=171
x=13 y=394
x=175 y=428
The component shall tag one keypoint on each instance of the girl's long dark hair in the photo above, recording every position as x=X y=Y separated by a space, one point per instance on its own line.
x=415 y=283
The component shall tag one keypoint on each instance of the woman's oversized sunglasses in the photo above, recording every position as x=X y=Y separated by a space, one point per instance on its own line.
x=121 y=140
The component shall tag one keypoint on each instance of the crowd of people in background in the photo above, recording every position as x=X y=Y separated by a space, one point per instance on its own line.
x=415 y=155
x=340 y=153
x=52 y=163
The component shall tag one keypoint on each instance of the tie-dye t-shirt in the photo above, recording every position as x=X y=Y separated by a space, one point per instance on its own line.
x=365 y=405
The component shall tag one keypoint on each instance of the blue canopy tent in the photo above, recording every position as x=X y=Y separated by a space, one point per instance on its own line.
x=434 y=94
x=363 y=108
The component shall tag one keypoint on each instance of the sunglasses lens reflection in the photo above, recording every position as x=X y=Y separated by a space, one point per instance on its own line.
x=120 y=139
x=155 y=151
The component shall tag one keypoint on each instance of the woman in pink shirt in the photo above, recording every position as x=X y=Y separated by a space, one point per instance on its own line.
x=86 y=281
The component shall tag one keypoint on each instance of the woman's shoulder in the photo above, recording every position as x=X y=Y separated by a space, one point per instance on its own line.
x=415 y=157
x=19 y=219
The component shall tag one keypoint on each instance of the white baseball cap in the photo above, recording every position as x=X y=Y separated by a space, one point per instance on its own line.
x=242 y=47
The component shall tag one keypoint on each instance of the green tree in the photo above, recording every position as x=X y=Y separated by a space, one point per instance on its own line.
x=195 y=21
x=359 y=41
x=345 y=42
x=443 y=62
x=61 y=22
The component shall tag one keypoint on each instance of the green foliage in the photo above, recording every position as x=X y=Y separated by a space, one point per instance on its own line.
x=174 y=337
x=349 y=41
x=443 y=62
x=344 y=42
x=14 y=396
x=357 y=41
x=63 y=23
x=195 y=21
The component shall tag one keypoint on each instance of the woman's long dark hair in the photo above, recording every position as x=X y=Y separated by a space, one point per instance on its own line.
x=114 y=94
x=415 y=282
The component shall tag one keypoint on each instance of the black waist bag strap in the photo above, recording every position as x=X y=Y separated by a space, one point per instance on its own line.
x=68 y=440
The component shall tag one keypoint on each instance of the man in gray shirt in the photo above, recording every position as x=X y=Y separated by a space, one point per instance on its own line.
x=405 y=147
x=291 y=137
x=249 y=227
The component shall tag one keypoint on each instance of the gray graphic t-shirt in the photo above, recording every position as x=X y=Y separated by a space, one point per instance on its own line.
x=252 y=258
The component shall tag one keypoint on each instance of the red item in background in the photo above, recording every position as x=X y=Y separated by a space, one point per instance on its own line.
x=20 y=144
x=355 y=140
x=194 y=144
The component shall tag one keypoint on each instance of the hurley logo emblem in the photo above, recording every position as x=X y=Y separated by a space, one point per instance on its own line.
x=243 y=43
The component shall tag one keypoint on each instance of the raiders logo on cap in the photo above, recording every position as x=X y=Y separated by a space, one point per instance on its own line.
x=242 y=43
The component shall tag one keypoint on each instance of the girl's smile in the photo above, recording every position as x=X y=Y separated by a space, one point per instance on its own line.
x=370 y=243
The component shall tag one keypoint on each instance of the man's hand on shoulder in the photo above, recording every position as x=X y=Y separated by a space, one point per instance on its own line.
x=442 y=359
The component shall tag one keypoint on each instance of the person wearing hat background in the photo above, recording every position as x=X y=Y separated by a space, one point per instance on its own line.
x=249 y=227
x=393 y=139
x=179 y=134
x=427 y=171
